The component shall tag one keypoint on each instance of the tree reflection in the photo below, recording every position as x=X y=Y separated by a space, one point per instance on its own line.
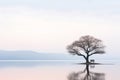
x=86 y=75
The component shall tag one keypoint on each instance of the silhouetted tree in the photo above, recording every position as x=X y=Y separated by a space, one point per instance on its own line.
x=86 y=46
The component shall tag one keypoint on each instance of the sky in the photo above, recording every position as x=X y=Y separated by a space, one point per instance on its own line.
x=50 y=25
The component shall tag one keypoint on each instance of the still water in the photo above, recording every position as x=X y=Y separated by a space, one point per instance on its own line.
x=57 y=70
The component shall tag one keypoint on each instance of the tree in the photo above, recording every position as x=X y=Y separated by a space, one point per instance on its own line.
x=86 y=46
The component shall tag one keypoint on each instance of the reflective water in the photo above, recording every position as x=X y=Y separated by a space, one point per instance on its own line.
x=56 y=70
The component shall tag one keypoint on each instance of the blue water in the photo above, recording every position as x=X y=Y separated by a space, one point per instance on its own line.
x=32 y=63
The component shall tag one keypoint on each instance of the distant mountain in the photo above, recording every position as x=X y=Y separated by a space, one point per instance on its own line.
x=31 y=55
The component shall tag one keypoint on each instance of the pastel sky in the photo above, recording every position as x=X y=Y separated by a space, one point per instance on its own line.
x=51 y=25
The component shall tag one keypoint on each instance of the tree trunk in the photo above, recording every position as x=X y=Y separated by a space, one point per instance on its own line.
x=87 y=60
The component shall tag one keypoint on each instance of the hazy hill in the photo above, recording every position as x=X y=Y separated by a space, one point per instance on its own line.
x=31 y=55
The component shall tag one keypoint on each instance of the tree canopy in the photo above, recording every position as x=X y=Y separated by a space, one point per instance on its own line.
x=86 y=46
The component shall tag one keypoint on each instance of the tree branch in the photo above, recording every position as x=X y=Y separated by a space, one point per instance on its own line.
x=79 y=54
x=97 y=52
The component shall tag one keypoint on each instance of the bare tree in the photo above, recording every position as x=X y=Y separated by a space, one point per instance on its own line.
x=86 y=46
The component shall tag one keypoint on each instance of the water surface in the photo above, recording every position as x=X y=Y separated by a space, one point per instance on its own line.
x=56 y=70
